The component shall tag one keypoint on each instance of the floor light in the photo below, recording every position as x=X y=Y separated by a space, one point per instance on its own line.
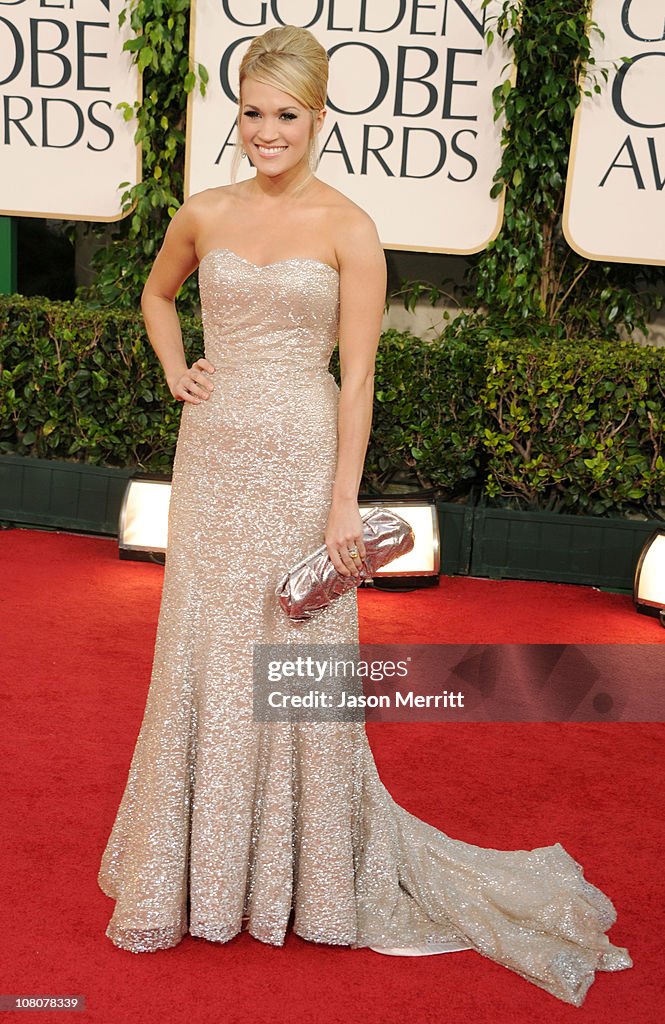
x=420 y=566
x=649 y=581
x=144 y=519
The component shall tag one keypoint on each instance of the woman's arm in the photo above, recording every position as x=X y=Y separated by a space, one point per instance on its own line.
x=174 y=263
x=362 y=300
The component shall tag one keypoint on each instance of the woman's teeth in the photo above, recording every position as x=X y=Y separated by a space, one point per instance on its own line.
x=270 y=150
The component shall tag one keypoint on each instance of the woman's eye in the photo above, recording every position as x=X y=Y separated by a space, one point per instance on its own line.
x=251 y=113
x=289 y=117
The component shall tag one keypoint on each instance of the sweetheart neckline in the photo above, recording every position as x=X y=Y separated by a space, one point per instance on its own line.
x=267 y=266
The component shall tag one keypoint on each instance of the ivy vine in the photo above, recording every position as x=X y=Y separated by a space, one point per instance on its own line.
x=159 y=46
x=529 y=277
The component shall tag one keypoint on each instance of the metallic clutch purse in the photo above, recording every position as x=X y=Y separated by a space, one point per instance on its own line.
x=314 y=582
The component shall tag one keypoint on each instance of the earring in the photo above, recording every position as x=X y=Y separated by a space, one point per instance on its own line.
x=313 y=156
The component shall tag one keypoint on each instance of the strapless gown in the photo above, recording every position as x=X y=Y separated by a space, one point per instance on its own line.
x=224 y=818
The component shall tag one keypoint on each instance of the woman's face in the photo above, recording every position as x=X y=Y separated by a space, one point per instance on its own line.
x=275 y=128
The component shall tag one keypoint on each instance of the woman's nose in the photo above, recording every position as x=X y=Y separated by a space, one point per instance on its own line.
x=269 y=130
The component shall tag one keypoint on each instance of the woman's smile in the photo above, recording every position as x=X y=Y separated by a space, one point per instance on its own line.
x=270 y=151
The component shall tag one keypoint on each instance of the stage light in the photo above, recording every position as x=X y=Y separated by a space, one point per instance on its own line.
x=649 y=582
x=143 y=532
x=144 y=519
x=420 y=566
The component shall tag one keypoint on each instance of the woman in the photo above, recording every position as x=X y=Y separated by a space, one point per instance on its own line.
x=224 y=818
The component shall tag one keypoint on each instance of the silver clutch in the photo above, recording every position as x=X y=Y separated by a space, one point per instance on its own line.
x=314 y=582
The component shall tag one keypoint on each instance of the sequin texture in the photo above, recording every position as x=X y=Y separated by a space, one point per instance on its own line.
x=223 y=817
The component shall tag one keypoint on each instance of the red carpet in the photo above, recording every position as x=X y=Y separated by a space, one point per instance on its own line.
x=78 y=630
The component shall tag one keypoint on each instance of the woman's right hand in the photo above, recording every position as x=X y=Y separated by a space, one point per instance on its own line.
x=193 y=385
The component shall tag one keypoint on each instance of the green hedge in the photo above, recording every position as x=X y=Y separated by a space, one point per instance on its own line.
x=84 y=384
x=426 y=413
x=574 y=426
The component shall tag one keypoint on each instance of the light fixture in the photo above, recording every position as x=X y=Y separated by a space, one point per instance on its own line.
x=420 y=566
x=649 y=581
x=143 y=532
x=144 y=518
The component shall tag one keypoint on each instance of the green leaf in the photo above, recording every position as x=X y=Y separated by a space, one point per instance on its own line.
x=146 y=57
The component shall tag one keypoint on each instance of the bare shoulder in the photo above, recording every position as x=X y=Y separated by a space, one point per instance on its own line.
x=197 y=209
x=211 y=197
x=357 y=232
x=353 y=229
x=344 y=211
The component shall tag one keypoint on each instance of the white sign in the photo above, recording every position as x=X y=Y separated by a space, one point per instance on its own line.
x=409 y=134
x=64 y=147
x=615 y=199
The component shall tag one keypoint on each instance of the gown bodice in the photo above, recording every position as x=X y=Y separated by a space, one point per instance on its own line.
x=281 y=316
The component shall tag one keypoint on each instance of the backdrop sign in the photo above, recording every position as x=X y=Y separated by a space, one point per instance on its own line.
x=615 y=205
x=410 y=133
x=64 y=147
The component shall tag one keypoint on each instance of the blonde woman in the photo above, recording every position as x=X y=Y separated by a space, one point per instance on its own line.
x=225 y=819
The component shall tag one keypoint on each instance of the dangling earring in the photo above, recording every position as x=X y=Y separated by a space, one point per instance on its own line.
x=313 y=154
x=244 y=155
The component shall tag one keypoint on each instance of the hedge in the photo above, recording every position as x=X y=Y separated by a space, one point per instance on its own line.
x=84 y=384
x=567 y=425
x=575 y=427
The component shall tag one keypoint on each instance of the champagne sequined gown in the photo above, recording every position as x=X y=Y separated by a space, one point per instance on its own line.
x=224 y=817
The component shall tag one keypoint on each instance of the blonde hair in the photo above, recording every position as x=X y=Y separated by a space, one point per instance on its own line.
x=290 y=59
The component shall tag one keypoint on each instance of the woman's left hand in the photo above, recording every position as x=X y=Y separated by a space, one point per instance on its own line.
x=344 y=535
